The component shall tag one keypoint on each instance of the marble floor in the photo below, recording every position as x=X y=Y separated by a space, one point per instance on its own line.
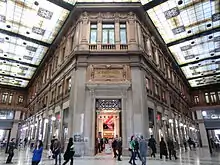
x=198 y=157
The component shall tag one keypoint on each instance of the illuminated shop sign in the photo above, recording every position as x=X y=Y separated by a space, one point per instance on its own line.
x=214 y=114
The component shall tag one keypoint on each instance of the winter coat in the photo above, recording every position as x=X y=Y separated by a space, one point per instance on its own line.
x=152 y=144
x=69 y=151
x=163 y=148
x=11 y=147
x=143 y=147
x=37 y=154
x=170 y=145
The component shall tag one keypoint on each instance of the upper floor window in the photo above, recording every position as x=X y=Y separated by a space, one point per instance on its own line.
x=213 y=97
x=123 y=36
x=63 y=54
x=4 y=97
x=68 y=85
x=10 y=98
x=59 y=90
x=108 y=34
x=147 y=83
x=207 y=97
x=93 y=34
x=196 y=99
x=156 y=89
x=218 y=95
x=163 y=95
x=20 y=99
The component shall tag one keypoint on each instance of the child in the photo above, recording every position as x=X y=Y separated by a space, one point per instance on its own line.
x=37 y=153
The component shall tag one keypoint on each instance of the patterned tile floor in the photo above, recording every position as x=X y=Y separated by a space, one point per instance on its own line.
x=199 y=157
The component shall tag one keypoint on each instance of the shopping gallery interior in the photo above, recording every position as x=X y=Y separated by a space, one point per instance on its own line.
x=97 y=69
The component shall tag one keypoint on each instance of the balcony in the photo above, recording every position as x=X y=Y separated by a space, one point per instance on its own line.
x=108 y=47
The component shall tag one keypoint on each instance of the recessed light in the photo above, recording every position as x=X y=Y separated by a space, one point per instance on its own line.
x=19 y=58
x=199 y=64
x=24 y=43
x=210 y=37
x=197 y=58
x=193 y=42
x=6 y=38
x=213 y=61
x=209 y=25
x=5 y=55
x=4 y=62
x=189 y=31
x=36 y=3
x=212 y=54
x=8 y=26
x=180 y=2
x=27 y=32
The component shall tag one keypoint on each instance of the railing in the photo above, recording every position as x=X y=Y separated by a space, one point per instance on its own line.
x=92 y=47
x=108 y=47
x=95 y=47
x=123 y=47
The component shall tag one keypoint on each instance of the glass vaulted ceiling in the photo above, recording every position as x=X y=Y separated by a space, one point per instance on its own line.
x=27 y=29
x=191 y=30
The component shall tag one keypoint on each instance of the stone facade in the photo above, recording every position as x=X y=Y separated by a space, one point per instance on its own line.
x=140 y=73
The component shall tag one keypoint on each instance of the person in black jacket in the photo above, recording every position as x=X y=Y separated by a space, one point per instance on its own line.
x=152 y=145
x=114 y=146
x=171 y=148
x=11 y=148
x=68 y=155
x=163 y=148
x=119 y=148
x=136 y=149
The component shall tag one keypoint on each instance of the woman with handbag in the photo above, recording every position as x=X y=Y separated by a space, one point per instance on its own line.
x=68 y=155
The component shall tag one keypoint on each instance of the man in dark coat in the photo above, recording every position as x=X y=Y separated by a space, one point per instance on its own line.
x=68 y=155
x=171 y=148
x=119 y=148
x=163 y=148
x=11 y=148
x=114 y=146
x=152 y=145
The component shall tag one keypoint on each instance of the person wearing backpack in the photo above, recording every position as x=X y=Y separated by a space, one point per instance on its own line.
x=68 y=155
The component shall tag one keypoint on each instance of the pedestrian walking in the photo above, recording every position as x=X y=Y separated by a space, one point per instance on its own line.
x=37 y=153
x=143 y=150
x=119 y=148
x=57 y=151
x=152 y=145
x=171 y=148
x=163 y=149
x=68 y=155
x=11 y=148
x=131 y=149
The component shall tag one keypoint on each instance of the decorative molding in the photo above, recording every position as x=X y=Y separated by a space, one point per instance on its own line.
x=108 y=73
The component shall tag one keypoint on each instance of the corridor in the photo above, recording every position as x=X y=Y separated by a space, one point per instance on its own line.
x=199 y=157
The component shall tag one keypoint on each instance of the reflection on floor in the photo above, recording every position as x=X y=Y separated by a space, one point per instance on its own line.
x=199 y=157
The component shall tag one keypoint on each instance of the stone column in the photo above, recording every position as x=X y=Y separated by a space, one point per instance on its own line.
x=77 y=100
x=117 y=33
x=84 y=31
x=131 y=31
x=14 y=130
x=99 y=33
x=139 y=107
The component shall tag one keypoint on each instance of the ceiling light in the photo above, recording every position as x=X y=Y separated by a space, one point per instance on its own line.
x=5 y=55
x=210 y=37
x=212 y=54
x=189 y=31
x=193 y=42
x=27 y=32
x=24 y=43
x=36 y=3
x=6 y=38
x=8 y=26
x=180 y=2
x=209 y=25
